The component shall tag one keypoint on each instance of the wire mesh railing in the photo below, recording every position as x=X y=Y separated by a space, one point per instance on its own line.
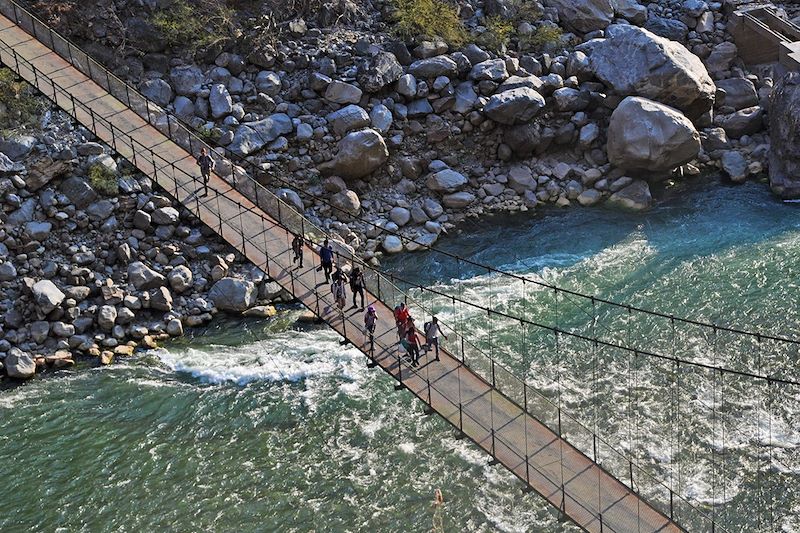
x=181 y=185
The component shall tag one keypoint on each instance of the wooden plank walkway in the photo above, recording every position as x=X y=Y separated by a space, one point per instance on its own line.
x=566 y=478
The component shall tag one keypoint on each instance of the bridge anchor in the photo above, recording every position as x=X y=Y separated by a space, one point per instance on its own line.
x=493 y=461
x=429 y=411
x=399 y=386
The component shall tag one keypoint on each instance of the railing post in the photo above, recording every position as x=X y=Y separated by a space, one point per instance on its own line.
x=113 y=137
x=630 y=469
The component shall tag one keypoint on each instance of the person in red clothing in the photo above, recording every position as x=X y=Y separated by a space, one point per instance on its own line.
x=412 y=341
x=401 y=316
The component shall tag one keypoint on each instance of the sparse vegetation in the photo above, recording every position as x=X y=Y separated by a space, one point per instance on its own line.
x=103 y=180
x=194 y=25
x=20 y=106
x=429 y=19
x=543 y=38
x=498 y=33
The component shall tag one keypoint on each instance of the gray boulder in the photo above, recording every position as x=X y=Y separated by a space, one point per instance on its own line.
x=7 y=272
x=19 y=364
x=654 y=67
x=251 y=137
x=268 y=82
x=359 y=154
x=143 y=277
x=165 y=215
x=348 y=118
x=583 y=16
x=106 y=317
x=630 y=10
x=347 y=201
x=220 y=101
x=38 y=231
x=515 y=106
x=7 y=166
x=647 y=137
x=434 y=67
x=740 y=93
x=784 y=130
x=379 y=72
x=78 y=191
x=343 y=93
x=458 y=200
x=291 y=198
x=180 y=278
x=186 y=79
x=735 y=166
x=491 y=69
x=743 y=122
x=668 y=28
x=157 y=90
x=46 y=296
x=17 y=147
x=721 y=57
x=232 y=294
x=569 y=99
x=446 y=180
x=634 y=197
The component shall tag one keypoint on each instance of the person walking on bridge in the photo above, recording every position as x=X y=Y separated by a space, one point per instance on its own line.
x=338 y=282
x=326 y=259
x=206 y=164
x=432 y=330
x=370 y=319
x=297 y=248
x=412 y=341
x=357 y=286
x=401 y=316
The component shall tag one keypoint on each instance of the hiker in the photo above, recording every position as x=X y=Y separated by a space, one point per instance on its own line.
x=370 y=319
x=432 y=331
x=401 y=316
x=297 y=248
x=206 y=166
x=412 y=341
x=357 y=285
x=339 y=293
x=326 y=259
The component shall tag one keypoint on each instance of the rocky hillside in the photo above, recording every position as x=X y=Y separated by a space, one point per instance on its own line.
x=495 y=105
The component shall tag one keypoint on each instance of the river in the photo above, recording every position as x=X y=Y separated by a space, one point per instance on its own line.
x=252 y=425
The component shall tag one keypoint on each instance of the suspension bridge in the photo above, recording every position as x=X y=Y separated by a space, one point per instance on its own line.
x=569 y=457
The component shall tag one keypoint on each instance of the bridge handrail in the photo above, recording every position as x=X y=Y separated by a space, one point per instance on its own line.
x=13 y=8
x=304 y=224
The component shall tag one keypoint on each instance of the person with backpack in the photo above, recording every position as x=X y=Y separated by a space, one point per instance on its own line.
x=326 y=259
x=338 y=282
x=370 y=319
x=357 y=286
x=297 y=248
x=206 y=164
x=432 y=331
x=412 y=341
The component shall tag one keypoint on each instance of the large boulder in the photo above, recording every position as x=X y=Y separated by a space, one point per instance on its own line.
x=634 y=197
x=78 y=191
x=516 y=106
x=346 y=201
x=186 y=79
x=359 y=154
x=180 y=278
x=251 y=137
x=19 y=364
x=434 y=67
x=584 y=15
x=16 y=147
x=220 y=101
x=232 y=294
x=784 y=129
x=740 y=93
x=746 y=121
x=348 y=118
x=143 y=277
x=654 y=67
x=646 y=137
x=446 y=180
x=379 y=72
x=157 y=90
x=343 y=93
x=47 y=296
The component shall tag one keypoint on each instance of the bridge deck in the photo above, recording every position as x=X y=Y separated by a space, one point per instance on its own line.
x=552 y=467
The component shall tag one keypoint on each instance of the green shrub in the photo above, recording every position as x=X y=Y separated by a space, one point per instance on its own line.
x=498 y=33
x=103 y=180
x=545 y=37
x=429 y=19
x=194 y=25
x=20 y=106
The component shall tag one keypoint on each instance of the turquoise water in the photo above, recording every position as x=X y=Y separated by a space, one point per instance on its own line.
x=260 y=426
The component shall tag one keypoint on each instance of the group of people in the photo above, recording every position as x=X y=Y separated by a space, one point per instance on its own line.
x=409 y=336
